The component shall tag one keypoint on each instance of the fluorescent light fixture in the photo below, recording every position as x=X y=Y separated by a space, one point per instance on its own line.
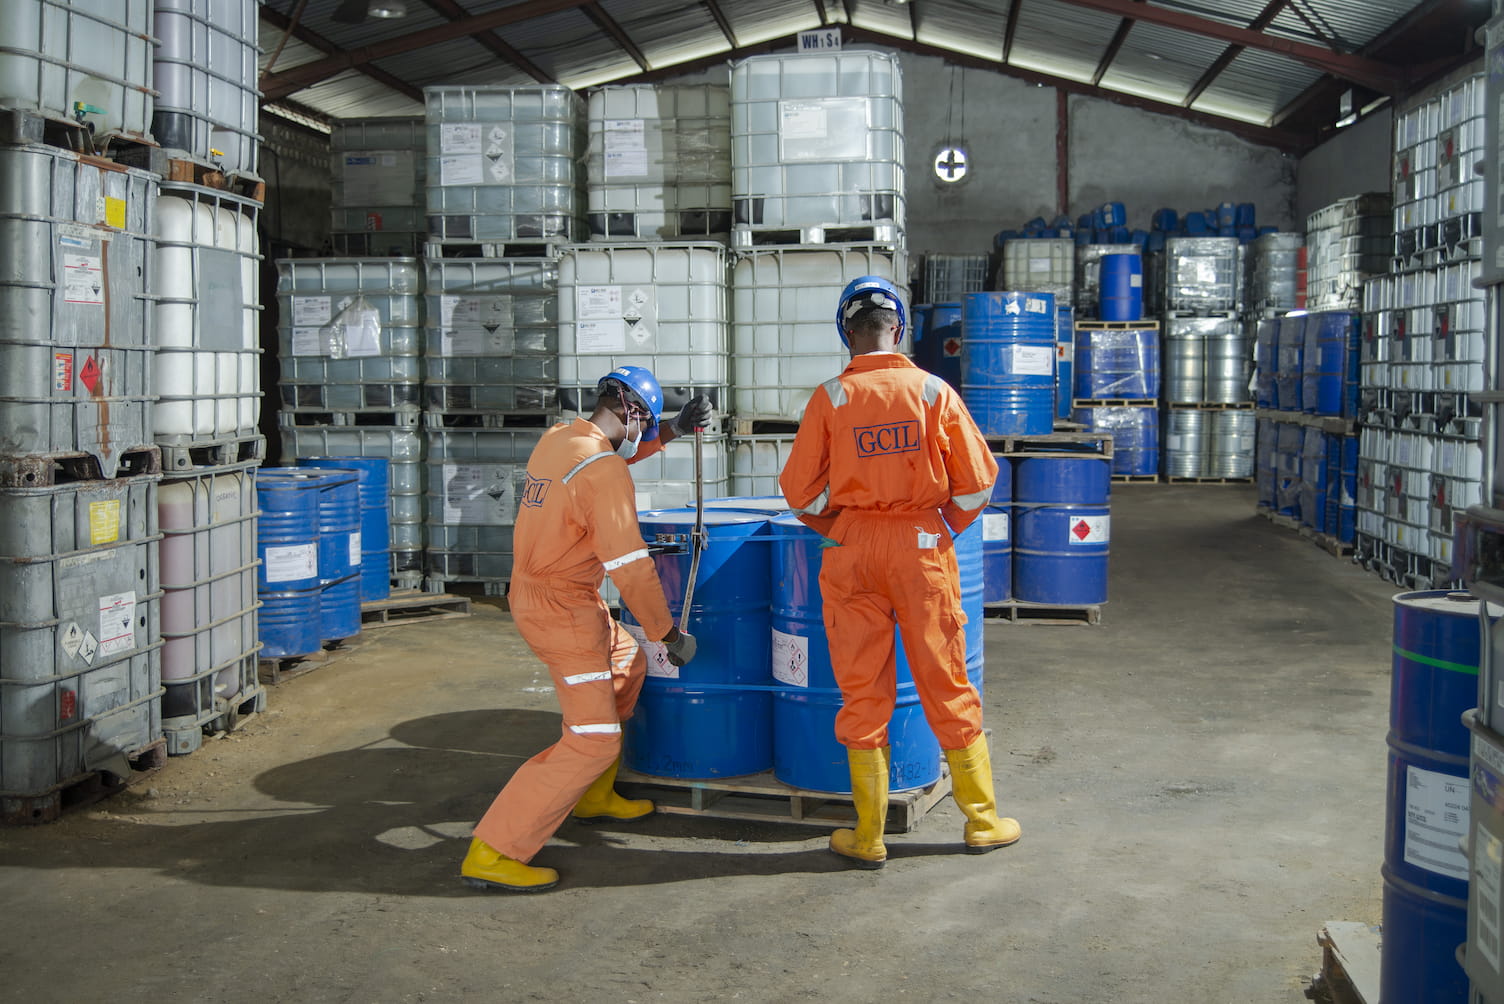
x=387 y=8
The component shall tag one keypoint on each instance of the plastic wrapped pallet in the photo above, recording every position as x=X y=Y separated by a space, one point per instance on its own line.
x=1347 y=243
x=1202 y=274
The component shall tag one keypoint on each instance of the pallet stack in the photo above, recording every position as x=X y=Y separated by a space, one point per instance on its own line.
x=1117 y=378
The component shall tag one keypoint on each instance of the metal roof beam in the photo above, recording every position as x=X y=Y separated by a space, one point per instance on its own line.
x=1118 y=38
x=608 y=24
x=280 y=85
x=492 y=41
x=1012 y=29
x=1368 y=72
x=1266 y=17
x=914 y=19
x=323 y=44
x=725 y=25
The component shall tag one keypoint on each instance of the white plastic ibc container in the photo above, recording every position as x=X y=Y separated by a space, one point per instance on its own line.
x=475 y=477
x=1046 y=265
x=207 y=290
x=817 y=140
x=72 y=58
x=205 y=73
x=209 y=604
x=658 y=164
x=1202 y=274
x=784 y=341
x=757 y=461
x=666 y=480
x=80 y=633
x=407 y=498
x=377 y=172
x=350 y=334
x=663 y=306
x=75 y=317
x=492 y=335
x=504 y=163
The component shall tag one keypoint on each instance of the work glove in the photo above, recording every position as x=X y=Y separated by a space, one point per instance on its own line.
x=681 y=649
x=697 y=412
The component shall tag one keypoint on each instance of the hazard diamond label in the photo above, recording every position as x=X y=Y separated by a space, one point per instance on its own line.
x=1089 y=530
x=89 y=374
x=952 y=347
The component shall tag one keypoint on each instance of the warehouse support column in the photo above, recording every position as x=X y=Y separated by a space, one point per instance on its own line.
x=1062 y=152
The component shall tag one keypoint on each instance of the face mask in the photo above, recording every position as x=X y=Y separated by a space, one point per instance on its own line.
x=628 y=448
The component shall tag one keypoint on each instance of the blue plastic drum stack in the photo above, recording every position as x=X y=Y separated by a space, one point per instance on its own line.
x=997 y=537
x=1008 y=362
x=287 y=544
x=713 y=717
x=1329 y=364
x=806 y=753
x=375 y=520
x=339 y=553
x=1061 y=530
x=1433 y=681
x=937 y=340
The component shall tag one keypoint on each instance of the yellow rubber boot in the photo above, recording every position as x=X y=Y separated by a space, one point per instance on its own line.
x=869 y=792
x=601 y=801
x=487 y=868
x=971 y=784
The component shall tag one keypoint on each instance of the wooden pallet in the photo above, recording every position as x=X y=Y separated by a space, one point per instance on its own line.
x=1328 y=543
x=763 y=798
x=181 y=167
x=1024 y=612
x=1175 y=480
x=412 y=606
x=1143 y=325
x=83 y=790
x=1329 y=424
x=885 y=235
x=522 y=247
x=1124 y=479
x=276 y=670
x=1115 y=402
x=1053 y=444
x=1349 y=963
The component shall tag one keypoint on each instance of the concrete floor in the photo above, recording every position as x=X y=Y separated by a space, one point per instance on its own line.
x=1200 y=782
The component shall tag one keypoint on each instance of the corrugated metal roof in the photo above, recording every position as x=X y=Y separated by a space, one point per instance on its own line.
x=1052 y=37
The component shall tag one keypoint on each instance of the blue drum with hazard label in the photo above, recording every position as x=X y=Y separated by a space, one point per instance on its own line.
x=937 y=341
x=1061 y=530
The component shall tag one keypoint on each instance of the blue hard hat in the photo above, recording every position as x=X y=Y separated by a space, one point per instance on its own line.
x=637 y=385
x=869 y=291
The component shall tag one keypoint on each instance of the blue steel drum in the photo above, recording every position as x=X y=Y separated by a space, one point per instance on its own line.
x=943 y=333
x=339 y=552
x=773 y=505
x=1121 y=288
x=805 y=751
x=1329 y=383
x=1289 y=365
x=1434 y=679
x=997 y=554
x=1347 y=512
x=375 y=520
x=1008 y=362
x=1135 y=436
x=1313 y=482
x=287 y=544
x=1065 y=360
x=339 y=608
x=1117 y=364
x=971 y=567
x=1062 y=531
x=1266 y=362
x=711 y=718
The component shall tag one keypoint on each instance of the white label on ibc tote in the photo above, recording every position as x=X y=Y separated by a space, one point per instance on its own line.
x=994 y=526
x=1088 y=530
x=1436 y=816
x=459 y=137
x=600 y=336
x=291 y=562
x=655 y=651
x=355 y=549
x=314 y=311
x=463 y=170
x=1032 y=360
x=117 y=623
x=1487 y=888
x=790 y=659
x=597 y=302
x=83 y=279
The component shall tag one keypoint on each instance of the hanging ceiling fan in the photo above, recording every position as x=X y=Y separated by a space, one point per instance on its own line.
x=356 y=11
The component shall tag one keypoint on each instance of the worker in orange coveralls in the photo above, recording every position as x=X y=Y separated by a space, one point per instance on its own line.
x=576 y=521
x=887 y=464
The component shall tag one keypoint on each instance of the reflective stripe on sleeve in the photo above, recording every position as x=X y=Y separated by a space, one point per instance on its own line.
x=932 y=385
x=835 y=392
x=584 y=464
x=625 y=559
x=586 y=730
x=586 y=677
x=973 y=501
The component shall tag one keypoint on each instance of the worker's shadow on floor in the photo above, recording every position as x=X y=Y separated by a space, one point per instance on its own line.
x=395 y=816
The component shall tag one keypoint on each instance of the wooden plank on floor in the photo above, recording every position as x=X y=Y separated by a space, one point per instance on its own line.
x=1350 y=961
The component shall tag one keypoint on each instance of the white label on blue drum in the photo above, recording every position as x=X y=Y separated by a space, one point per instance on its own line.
x=291 y=562
x=994 y=526
x=1135 y=281
x=1488 y=877
x=1436 y=817
x=655 y=651
x=1032 y=360
x=355 y=548
x=1034 y=305
x=1088 y=530
x=790 y=659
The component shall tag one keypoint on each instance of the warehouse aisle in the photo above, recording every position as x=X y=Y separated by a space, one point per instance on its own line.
x=1200 y=782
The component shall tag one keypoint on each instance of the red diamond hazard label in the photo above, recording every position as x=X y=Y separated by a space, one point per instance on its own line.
x=952 y=347
x=1082 y=530
x=1089 y=530
x=89 y=374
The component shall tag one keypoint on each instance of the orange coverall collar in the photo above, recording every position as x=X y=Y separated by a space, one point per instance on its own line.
x=878 y=361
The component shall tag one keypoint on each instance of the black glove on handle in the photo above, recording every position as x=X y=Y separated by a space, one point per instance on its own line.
x=697 y=412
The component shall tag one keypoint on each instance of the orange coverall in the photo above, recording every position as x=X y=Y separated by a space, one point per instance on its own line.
x=884 y=451
x=576 y=520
